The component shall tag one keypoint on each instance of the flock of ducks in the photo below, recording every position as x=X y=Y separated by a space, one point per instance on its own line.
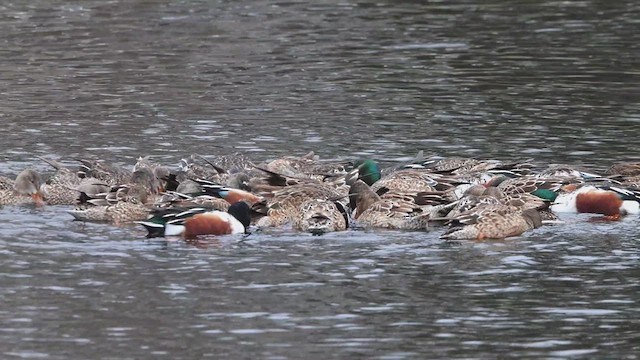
x=464 y=198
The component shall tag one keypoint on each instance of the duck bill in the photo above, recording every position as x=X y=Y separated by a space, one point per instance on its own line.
x=38 y=199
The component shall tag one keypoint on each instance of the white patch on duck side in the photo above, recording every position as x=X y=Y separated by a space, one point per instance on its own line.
x=630 y=207
x=565 y=203
x=173 y=229
x=236 y=225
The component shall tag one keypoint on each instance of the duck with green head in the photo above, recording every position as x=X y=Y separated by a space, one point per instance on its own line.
x=366 y=170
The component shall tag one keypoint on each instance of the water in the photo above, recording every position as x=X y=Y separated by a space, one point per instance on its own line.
x=555 y=81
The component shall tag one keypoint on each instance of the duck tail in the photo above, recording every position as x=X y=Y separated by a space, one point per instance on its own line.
x=153 y=229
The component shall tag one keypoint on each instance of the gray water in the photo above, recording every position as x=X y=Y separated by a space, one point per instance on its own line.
x=556 y=81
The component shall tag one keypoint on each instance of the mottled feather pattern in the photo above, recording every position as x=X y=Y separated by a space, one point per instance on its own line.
x=469 y=202
x=625 y=168
x=284 y=206
x=112 y=175
x=320 y=216
x=408 y=180
x=493 y=225
x=529 y=184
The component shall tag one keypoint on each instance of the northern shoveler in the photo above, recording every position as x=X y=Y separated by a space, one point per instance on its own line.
x=66 y=188
x=25 y=189
x=284 y=206
x=318 y=216
x=110 y=174
x=199 y=221
x=231 y=195
x=543 y=187
x=459 y=166
x=119 y=214
x=492 y=222
x=624 y=168
x=479 y=196
x=626 y=173
x=612 y=202
x=60 y=194
x=125 y=204
x=406 y=180
x=390 y=211
x=293 y=165
x=173 y=199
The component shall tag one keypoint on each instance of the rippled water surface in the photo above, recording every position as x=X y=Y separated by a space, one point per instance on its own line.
x=552 y=80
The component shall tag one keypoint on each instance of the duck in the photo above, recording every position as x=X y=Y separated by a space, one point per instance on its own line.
x=284 y=205
x=155 y=174
x=611 y=201
x=194 y=222
x=406 y=180
x=440 y=164
x=127 y=205
x=392 y=210
x=109 y=174
x=231 y=195
x=629 y=168
x=626 y=174
x=64 y=187
x=546 y=188
x=294 y=166
x=173 y=199
x=461 y=166
x=192 y=168
x=318 y=216
x=367 y=170
x=479 y=195
x=61 y=194
x=25 y=189
x=296 y=171
x=492 y=221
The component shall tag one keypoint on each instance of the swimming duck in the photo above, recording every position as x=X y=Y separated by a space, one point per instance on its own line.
x=284 y=205
x=109 y=174
x=612 y=202
x=231 y=195
x=25 y=189
x=66 y=188
x=199 y=221
x=546 y=188
x=318 y=216
x=172 y=199
x=156 y=175
x=626 y=173
x=459 y=166
x=492 y=222
x=624 y=168
x=126 y=206
x=406 y=180
x=391 y=210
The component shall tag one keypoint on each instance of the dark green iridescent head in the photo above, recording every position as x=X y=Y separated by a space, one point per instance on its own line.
x=545 y=194
x=368 y=171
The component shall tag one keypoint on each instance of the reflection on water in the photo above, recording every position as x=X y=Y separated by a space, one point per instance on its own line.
x=470 y=78
x=551 y=80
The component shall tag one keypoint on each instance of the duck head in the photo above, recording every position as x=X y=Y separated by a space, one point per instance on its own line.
x=28 y=182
